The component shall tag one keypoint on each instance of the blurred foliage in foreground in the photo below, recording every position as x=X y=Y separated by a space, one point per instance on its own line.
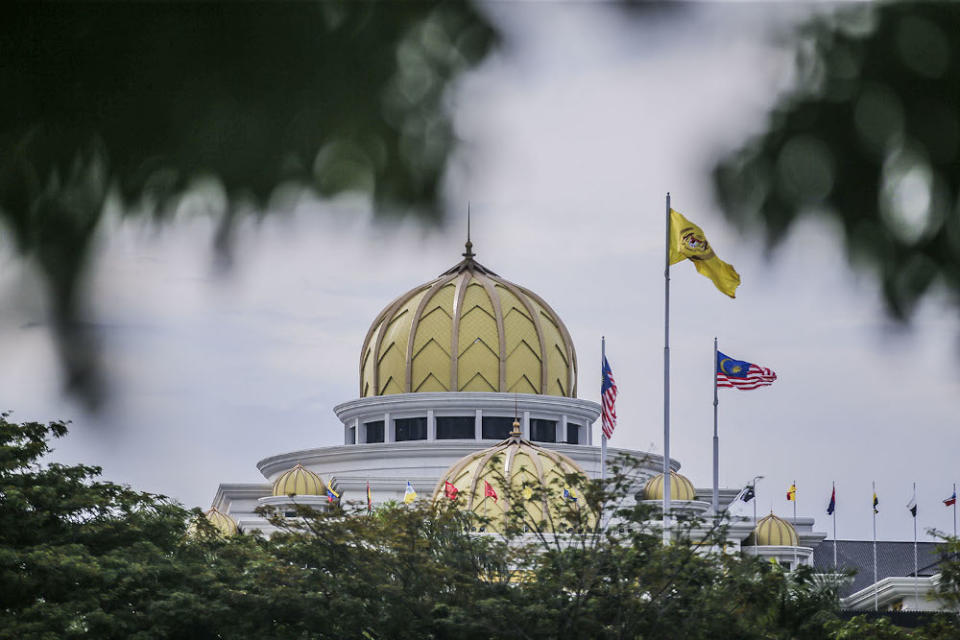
x=145 y=101
x=84 y=558
x=871 y=138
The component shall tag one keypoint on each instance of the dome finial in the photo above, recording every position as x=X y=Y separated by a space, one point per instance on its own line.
x=516 y=421
x=468 y=254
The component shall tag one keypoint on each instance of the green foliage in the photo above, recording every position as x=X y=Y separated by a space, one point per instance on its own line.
x=949 y=587
x=242 y=103
x=869 y=138
x=82 y=558
x=862 y=628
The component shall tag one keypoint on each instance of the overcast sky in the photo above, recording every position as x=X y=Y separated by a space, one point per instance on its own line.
x=572 y=134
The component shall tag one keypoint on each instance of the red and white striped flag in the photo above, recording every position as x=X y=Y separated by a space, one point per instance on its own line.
x=608 y=398
x=739 y=374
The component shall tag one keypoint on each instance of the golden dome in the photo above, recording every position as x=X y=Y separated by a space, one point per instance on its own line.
x=468 y=330
x=299 y=481
x=520 y=465
x=773 y=531
x=680 y=488
x=222 y=522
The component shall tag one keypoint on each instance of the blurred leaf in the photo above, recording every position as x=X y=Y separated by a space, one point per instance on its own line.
x=146 y=101
x=869 y=137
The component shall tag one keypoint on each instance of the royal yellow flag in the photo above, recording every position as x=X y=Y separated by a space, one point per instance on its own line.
x=688 y=242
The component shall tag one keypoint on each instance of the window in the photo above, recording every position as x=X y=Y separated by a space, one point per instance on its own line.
x=456 y=428
x=374 y=431
x=411 y=428
x=573 y=433
x=496 y=428
x=352 y=435
x=543 y=430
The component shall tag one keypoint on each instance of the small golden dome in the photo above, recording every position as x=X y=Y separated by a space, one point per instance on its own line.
x=299 y=481
x=468 y=330
x=520 y=465
x=222 y=522
x=680 y=488
x=774 y=532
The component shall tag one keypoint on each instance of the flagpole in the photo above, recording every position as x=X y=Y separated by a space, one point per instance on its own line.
x=795 y=524
x=716 y=439
x=833 y=496
x=666 y=379
x=916 y=573
x=954 y=510
x=876 y=594
x=603 y=433
x=753 y=483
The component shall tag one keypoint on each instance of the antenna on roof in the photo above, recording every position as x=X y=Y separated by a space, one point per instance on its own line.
x=468 y=254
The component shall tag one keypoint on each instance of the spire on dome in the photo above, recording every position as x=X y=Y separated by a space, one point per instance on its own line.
x=468 y=254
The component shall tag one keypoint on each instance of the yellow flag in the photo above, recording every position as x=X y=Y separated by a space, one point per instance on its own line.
x=409 y=495
x=688 y=242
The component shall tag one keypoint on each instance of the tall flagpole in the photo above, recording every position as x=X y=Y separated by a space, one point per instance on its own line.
x=603 y=433
x=834 y=514
x=716 y=439
x=876 y=594
x=954 y=510
x=666 y=380
x=795 y=523
x=916 y=572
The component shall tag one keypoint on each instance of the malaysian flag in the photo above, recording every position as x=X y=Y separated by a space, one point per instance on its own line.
x=608 y=396
x=742 y=375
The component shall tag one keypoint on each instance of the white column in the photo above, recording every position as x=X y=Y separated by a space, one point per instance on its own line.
x=478 y=424
x=389 y=431
x=525 y=427
x=361 y=432
x=431 y=425
x=562 y=429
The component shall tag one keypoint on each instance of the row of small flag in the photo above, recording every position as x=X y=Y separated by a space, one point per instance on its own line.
x=452 y=492
x=749 y=493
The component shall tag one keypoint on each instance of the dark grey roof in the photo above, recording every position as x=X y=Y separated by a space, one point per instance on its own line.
x=893 y=559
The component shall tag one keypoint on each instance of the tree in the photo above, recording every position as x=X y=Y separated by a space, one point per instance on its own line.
x=84 y=558
x=78 y=557
x=870 y=137
x=137 y=104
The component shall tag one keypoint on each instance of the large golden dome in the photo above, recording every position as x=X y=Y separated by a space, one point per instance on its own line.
x=468 y=330
x=536 y=475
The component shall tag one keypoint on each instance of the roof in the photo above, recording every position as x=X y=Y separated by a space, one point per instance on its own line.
x=894 y=559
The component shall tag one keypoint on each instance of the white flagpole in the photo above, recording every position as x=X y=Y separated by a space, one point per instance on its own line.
x=716 y=439
x=666 y=380
x=916 y=573
x=603 y=433
x=795 y=524
x=954 y=510
x=876 y=594
x=833 y=495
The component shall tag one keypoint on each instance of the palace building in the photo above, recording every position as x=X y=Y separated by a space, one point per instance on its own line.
x=466 y=379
